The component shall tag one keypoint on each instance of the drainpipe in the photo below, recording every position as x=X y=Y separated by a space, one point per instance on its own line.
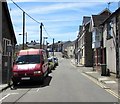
x=117 y=48
x=1 y=42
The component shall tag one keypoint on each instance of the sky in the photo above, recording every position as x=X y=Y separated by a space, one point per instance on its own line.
x=61 y=18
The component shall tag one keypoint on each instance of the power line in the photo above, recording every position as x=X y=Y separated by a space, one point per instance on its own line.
x=26 y=13
x=31 y=18
x=47 y=32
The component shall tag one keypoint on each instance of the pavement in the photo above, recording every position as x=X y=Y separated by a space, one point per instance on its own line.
x=110 y=82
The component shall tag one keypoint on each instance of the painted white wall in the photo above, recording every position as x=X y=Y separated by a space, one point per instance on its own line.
x=111 y=55
x=104 y=35
x=110 y=45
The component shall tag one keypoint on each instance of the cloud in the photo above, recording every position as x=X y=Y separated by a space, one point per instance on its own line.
x=55 y=8
x=61 y=20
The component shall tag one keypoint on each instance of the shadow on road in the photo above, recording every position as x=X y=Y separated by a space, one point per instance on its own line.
x=31 y=84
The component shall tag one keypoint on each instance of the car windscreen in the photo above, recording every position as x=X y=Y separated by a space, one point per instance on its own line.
x=49 y=60
x=28 y=59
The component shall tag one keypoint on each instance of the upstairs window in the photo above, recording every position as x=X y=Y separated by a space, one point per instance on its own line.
x=110 y=30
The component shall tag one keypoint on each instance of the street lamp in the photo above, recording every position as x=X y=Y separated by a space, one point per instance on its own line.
x=44 y=41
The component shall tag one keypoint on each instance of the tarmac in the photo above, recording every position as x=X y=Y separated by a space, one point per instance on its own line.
x=109 y=82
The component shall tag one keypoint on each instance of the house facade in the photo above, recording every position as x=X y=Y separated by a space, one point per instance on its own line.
x=70 y=50
x=96 y=30
x=84 y=43
x=8 y=37
x=111 y=37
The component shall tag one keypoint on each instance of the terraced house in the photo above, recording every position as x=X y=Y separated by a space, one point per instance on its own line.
x=111 y=42
x=84 y=43
x=96 y=30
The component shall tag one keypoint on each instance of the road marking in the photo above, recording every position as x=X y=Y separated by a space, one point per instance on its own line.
x=110 y=82
x=13 y=93
x=113 y=93
x=8 y=95
x=102 y=86
x=4 y=97
x=38 y=89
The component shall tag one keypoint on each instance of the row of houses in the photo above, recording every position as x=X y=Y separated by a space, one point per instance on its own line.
x=98 y=42
x=7 y=37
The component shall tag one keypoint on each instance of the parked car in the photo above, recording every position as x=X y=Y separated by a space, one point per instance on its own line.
x=51 y=64
x=31 y=64
x=52 y=59
x=56 y=61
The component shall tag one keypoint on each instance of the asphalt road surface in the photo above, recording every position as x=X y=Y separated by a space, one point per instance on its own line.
x=64 y=84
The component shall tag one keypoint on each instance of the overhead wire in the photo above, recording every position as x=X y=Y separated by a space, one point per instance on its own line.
x=31 y=17
x=47 y=32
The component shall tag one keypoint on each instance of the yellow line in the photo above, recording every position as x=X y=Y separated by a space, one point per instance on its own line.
x=101 y=85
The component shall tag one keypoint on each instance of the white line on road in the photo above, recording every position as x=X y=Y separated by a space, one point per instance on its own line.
x=4 y=97
x=101 y=85
x=7 y=96
x=38 y=89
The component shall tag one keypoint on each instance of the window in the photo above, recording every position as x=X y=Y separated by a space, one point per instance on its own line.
x=109 y=30
x=5 y=43
x=28 y=59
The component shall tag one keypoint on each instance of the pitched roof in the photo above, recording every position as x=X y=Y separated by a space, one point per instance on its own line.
x=106 y=11
x=4 y=5
x=101 y=17
x=86 y=19
x=113 y=14
x=98 y=19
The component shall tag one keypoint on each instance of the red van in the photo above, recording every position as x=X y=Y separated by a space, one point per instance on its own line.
x=31 y=64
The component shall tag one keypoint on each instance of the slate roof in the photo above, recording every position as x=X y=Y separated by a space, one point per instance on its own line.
x=98 y=19
x=86 y=19
x=111 y=16
x=101 y=17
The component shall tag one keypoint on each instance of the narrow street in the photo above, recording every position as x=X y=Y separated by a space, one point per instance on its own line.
x=64 y=84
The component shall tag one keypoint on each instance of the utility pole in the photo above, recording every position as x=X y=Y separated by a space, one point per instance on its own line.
x=41 y=35
x=44 y=41
x=53 y=47
x=26 y=37
x=23 y=27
